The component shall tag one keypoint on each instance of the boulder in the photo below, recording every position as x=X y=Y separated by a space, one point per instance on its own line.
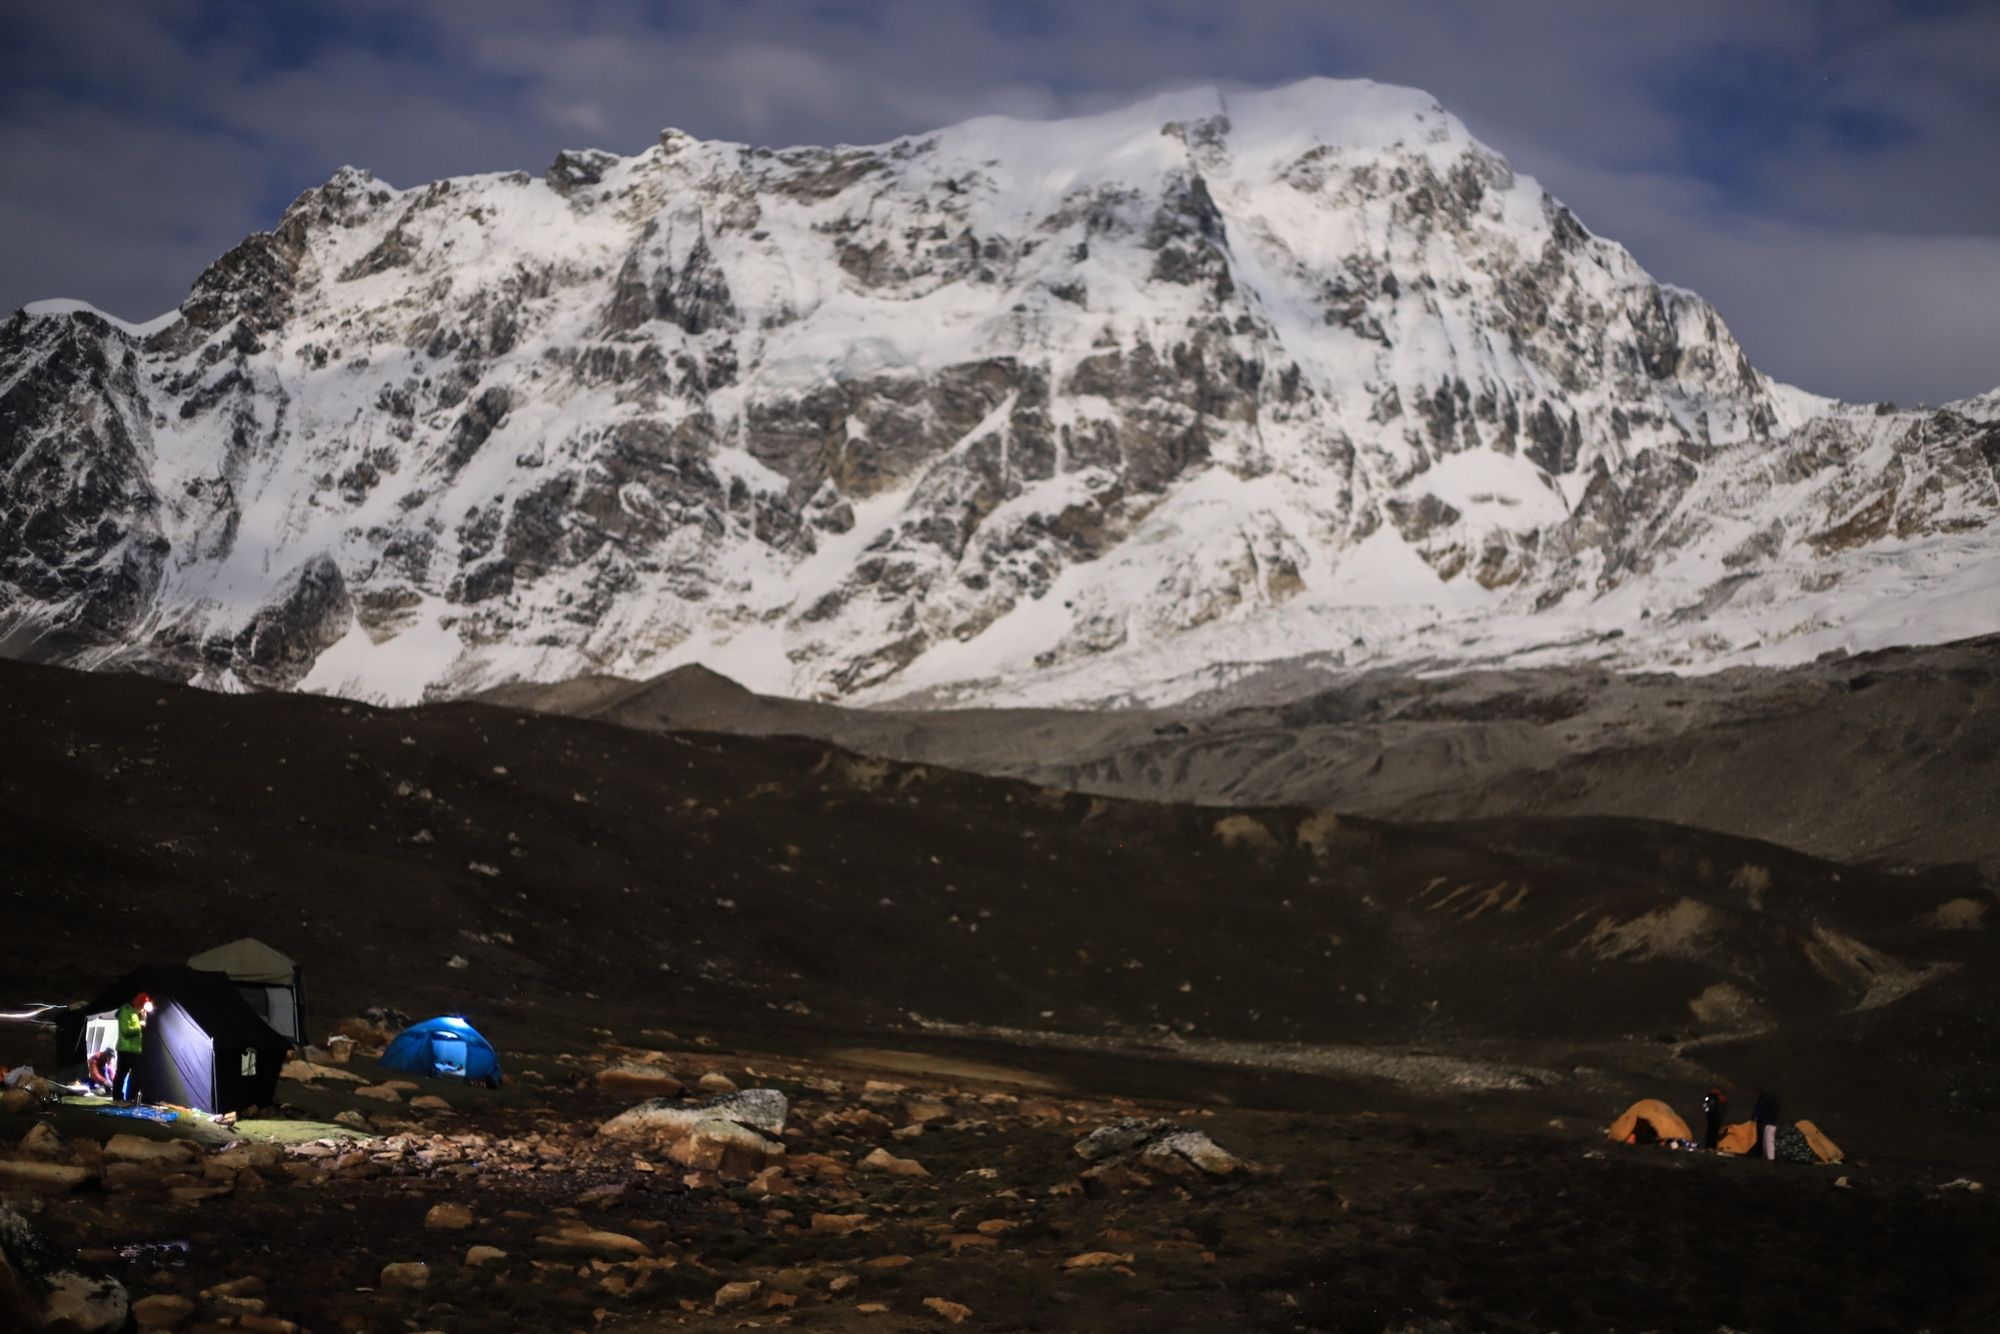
x=665 y=1120
x=85 y=1305
x=1156 y=1145
x=33 y=1174
x=136 y=1149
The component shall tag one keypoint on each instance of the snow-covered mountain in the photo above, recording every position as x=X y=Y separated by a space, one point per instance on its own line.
x=1077 y=410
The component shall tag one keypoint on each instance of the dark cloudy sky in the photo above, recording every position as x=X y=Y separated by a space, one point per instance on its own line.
x=1827 y=173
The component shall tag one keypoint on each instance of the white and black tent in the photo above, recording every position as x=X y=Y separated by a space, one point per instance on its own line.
x=270 y=984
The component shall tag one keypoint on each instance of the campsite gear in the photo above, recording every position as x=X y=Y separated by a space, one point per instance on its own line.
x=1739 y=1138
x=270 y=984
x=445 y=1048
x=1823 y=1149
x=1765 y=1114
x=204 y=1048
x=1713 y=1105
x=1659 y=1119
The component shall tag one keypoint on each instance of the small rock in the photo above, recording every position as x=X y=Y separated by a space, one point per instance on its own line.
x=1843 y=1183
x=955 y=1312
x=838 y=1225
x=43 y=1176
x=993 y=1227
x=639 y=1079
x=1096 y=1260
x=406 y=1274
x=448 y=1217
x=715 y=1082
x=379 y=1092
x=735 y=1294
x=889 y=1262
x=352 y=1119
x=476 y=1256
x=840 y=1283
x=429 y=1102
x=881 y=1160
x=162 y=1311
x=44 y=1142
x=609 y=1245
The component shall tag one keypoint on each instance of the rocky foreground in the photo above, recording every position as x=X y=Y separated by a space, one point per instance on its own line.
x=746 y=1192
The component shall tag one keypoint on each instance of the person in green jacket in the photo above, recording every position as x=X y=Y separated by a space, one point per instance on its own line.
x=131 y=1041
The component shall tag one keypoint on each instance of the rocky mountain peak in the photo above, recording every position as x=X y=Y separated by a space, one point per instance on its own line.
x=1098 y=408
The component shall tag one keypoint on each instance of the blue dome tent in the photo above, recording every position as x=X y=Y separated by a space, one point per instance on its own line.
x=445 y=1048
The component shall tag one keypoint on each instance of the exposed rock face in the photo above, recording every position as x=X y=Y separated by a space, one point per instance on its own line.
x=1106 y=402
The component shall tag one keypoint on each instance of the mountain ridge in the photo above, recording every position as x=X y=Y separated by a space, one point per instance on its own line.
x=1102 y=410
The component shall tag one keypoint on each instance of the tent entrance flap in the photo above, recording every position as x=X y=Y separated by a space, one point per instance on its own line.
x=100 y=1033
x=448 y=1056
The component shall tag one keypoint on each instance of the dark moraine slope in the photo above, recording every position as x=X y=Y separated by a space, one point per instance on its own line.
x=1889 y=757
x=584 y=875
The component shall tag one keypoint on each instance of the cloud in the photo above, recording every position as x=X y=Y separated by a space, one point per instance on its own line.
x=1821 y=170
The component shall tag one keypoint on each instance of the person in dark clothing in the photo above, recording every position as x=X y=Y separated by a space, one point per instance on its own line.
x=1765 y=1114
x=1714 y=1105
x=103 y=1072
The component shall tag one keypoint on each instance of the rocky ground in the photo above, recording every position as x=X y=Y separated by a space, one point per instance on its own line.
x=842 y=1196
x=1402 y=1041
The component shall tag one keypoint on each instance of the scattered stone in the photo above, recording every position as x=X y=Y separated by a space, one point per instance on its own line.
x=448 y=1217
x=993 y=1227
x=351 y=1118
x=889 y=1262
x=735 y=1294
x=379 y=1092
x=476 y=1256
x=1096 y=1260
x=429 y=1102
x=405 y=1274
x=881 y=1160
x=715 y=1082
x=955 y=1312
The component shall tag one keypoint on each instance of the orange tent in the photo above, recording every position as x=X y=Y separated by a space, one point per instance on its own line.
x=1739 y=1138
x=1656 y=1114
x=1823 y=1148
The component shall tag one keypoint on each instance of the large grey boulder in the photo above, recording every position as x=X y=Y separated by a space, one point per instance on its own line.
x=759 y=1112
